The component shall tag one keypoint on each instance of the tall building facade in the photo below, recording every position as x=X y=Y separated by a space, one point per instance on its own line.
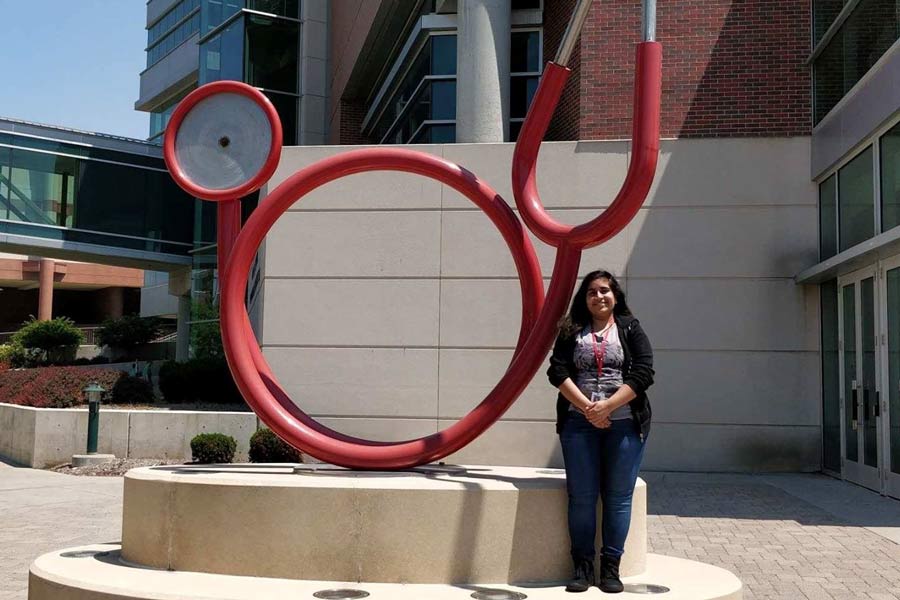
x=763 y=261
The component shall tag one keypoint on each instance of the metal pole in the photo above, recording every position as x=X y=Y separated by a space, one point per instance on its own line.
x=573 y=30
x=648 y=25
x=93 y=425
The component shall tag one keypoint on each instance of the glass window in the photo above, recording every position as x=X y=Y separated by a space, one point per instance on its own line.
x=272 y=53
x=831 y=408
x=828 y=218
x=285 y=8
x=443 y=55
x=40 y=188
x=162 y=38
x=856 y=203
x=525 y=52
x=521 y=93
x=864 y=37
x=215 y=12
x=824 y=14
x=222 y=56
x=890 y=179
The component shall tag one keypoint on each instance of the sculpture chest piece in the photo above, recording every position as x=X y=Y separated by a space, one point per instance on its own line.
x=224 y=141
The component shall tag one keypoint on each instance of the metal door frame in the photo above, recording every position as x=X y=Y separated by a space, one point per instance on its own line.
x=857 y=471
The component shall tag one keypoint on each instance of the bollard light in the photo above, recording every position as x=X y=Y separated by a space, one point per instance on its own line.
x=93 y=392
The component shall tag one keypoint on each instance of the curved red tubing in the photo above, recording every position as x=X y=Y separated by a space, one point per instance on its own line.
x=237 y=248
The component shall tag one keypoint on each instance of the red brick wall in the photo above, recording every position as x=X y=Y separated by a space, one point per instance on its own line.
x=564 y=125
x=730 y=67
x=351 y=115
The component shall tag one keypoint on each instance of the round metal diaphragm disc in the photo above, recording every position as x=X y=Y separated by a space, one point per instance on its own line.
x=224 y=141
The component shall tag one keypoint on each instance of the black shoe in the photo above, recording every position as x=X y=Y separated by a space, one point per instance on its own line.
x=584 y=577
x=609 y=575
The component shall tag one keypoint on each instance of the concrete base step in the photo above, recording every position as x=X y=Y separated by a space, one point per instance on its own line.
x=97 y=573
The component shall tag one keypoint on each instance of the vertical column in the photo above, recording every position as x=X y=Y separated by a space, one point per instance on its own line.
x=482 y=70
x=182 y=339
x=45 y=291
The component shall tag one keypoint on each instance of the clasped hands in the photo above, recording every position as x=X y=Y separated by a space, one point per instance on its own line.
x=598 y=413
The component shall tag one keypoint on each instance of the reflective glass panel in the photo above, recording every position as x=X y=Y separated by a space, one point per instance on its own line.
x=867 y=413
x=890 y=179
x=828 y=218
x=272 y=50
x=831 y=407
x=893 y=327
x=286 y=8
x=41 y=188
x=824 y=14
x=215 y=12
x=848 y=315
x=443 y=55
x=856 y=203
x=864 y=37
x=222 y=57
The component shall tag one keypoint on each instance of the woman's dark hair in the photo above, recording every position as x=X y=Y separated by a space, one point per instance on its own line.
x=579 y=316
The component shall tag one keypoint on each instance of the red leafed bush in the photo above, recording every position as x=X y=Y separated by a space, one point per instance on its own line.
x=63 y=387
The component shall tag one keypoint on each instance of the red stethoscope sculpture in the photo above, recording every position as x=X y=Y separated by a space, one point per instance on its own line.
x=206 y=153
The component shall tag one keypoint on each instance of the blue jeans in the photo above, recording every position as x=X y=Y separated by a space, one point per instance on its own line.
x=600 y=463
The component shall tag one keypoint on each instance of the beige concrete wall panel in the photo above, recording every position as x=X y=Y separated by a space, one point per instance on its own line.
x=723 y=242
x=733 y=172
x=471 y=246
x=381 y=382
x=742 y=448
x=168 y=434
x=355 y=244
x=17 y=433
x=725 y=314
x=570 y=174
x=514 y=443
x=347 y=312
x=363 y=191
x=60 y=433
x=480 y=313
x=747 y=388
x=468 y=375
x=381 y=430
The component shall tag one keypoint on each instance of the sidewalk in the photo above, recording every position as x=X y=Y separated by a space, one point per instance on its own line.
x=797 y=537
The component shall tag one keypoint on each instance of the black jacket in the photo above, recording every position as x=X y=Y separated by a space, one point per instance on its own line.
x=638 y=371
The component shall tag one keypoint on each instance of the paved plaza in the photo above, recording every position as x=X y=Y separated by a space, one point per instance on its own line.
x=786 y=536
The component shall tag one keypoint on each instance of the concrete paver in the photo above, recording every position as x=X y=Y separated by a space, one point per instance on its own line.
x=805 y=537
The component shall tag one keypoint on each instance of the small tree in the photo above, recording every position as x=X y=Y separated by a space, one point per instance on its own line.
x=127 y=332
x=49 y=341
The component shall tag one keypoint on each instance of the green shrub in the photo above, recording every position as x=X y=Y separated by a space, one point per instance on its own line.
x=49 y=341
x=213 y=448
x=267 y=447
x=127 y=332
x=132 y=390
x=62 y=387
x=13 y=355
x=198 y=380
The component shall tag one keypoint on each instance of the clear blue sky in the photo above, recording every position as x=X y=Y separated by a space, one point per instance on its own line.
x=74 y=63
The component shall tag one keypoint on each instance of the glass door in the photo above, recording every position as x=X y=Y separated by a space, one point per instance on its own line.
x=859 y=373
x=890 y=401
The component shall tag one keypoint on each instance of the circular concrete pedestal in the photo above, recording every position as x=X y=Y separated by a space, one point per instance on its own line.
x=97 y=573
x=242 y=532
x=482 y=524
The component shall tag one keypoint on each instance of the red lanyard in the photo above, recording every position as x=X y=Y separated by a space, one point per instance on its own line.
x=601 y=353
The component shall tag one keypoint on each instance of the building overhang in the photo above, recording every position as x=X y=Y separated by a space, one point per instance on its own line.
x=881 y=246
x=85 y=252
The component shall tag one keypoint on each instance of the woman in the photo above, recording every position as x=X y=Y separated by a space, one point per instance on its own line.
x=602 y=365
